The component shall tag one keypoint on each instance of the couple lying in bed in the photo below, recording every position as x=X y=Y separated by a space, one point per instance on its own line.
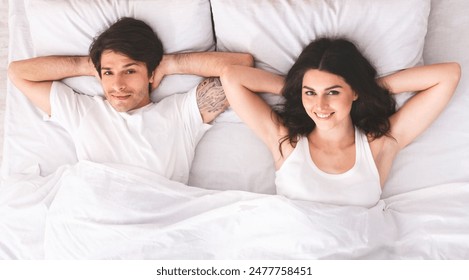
x=333 y=140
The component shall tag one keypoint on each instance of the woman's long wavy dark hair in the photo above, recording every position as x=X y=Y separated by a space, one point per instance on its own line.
x=370 y=112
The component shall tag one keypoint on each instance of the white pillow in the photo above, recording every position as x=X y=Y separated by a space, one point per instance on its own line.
x=391 y=34
x=68 y=28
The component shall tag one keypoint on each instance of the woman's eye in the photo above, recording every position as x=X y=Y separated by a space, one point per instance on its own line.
x=107 y=73
x=310 y=92
x=333 y=92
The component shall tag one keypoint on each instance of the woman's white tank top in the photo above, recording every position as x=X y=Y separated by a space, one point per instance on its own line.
x=300 y=178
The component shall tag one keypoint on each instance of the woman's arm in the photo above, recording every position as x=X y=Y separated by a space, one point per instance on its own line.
x=34 y=77
x=240 y=84
x=434 y=86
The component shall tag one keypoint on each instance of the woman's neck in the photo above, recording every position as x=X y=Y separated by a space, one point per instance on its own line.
x=335 y=138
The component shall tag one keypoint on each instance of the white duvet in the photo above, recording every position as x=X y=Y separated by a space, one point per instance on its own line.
x=94 y=211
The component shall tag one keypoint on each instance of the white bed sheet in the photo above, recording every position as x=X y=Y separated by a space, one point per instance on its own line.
x=82 y=211
x=423 y=214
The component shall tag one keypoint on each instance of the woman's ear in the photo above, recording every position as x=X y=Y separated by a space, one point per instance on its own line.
x=355 y=96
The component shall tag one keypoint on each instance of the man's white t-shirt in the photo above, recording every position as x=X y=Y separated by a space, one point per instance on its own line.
x=160 y=136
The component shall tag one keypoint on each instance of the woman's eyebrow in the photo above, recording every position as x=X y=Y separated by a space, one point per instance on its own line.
x=329 y=88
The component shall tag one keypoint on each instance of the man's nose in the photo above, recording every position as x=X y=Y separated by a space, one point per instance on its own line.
x=118 y=83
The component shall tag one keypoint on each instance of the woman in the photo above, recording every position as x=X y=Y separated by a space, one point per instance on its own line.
x=338 y=132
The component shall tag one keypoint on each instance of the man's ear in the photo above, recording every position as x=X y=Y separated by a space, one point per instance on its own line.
x=152 y=77
x=156 y=76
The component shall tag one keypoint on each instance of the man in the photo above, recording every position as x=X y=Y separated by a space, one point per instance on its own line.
x=124 y=126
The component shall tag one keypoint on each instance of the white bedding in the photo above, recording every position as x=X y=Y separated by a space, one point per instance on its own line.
x=52 y=206
x=96 y=211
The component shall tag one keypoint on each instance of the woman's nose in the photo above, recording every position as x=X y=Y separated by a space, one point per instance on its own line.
x=321 y=102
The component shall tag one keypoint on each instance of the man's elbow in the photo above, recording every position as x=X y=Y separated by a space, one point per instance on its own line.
x=16 y=74
x=13 y=71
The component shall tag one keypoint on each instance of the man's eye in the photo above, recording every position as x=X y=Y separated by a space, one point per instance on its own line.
x=107 y=73
x=130 y=71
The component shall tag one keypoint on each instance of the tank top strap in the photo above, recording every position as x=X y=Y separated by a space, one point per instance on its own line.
x=364 y=151
x=359 y=144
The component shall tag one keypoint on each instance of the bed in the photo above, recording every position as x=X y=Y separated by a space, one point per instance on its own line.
x=55 y=207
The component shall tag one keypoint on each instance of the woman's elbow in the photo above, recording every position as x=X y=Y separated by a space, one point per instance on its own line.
x=226 y=73
x=454 y=72
x=231 y=79
x=247 y=60
x=452 y=76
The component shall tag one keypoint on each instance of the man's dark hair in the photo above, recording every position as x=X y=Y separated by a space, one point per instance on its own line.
x=131 y=37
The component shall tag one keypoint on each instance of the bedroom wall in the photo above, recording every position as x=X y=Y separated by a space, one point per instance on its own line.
x=3 y=65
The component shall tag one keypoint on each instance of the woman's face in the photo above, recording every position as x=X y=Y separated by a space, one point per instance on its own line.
x=327 y=99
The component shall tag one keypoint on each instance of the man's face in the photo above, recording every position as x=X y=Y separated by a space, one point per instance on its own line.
x=125 y=81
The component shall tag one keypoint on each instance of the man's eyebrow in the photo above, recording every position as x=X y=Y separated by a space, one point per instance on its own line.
x=130 y=64
x=125 y=66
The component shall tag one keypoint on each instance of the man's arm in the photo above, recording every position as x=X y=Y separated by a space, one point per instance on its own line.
x=211 y=97
x=34 y=77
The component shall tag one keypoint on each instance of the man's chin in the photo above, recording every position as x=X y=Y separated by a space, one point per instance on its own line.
x=120 y=108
